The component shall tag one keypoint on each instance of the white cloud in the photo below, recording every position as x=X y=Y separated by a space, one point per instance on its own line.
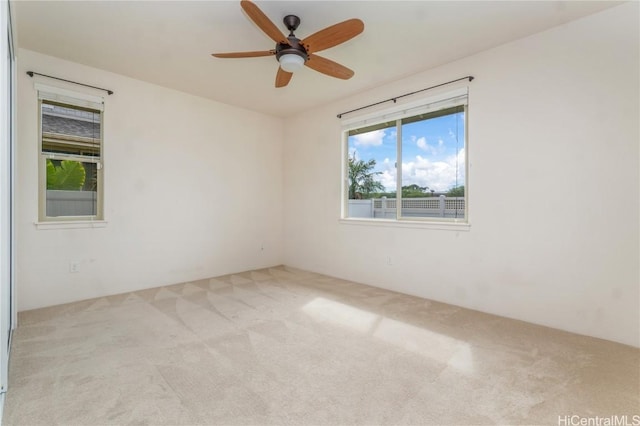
x=388 y=176
x=422 y=144
x=437 y=175
x=369 y=139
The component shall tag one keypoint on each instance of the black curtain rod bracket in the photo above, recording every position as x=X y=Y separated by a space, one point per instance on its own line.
x=395 y=99
x=31 y=74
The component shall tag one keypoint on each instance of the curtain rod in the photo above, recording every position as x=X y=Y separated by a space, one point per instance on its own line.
x=469 y=77
x=31 y=73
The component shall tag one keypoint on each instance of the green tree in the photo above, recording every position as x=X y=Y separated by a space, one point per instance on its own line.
x=456 y=191
x=362 y=178
x=69 y=175
x=415 y=191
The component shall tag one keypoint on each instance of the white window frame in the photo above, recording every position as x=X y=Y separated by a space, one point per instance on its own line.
x=436 y=102
x=71 y=99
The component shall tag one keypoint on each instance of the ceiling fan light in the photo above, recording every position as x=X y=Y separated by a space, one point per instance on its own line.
x=291 y=62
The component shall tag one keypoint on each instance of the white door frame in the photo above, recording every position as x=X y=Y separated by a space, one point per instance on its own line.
x=7 y=144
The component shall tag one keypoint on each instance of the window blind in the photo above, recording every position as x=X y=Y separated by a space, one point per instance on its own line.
x=429 y=105
x=64 y=96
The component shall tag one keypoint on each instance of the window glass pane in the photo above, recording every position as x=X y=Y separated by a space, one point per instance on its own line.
x=72 y=188
x=372 y=171
x=70 y=130
x=433 y=165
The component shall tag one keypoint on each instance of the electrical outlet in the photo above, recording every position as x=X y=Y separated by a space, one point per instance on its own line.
x=74 y=266
x=389 y=262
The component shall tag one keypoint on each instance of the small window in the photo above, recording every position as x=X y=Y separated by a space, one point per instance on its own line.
x=70 y=159
x=411 y=168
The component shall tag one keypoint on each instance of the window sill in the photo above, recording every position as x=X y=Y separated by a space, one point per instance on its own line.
x=72 y=224
x=444 y=226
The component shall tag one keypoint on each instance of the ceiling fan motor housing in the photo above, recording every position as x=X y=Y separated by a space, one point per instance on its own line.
x=293 y=48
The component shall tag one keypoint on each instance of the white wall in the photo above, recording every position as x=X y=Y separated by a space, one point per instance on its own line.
x=193 y=189
x=553 y=124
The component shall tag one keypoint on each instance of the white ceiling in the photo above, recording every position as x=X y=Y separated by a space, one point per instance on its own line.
x=169 y=42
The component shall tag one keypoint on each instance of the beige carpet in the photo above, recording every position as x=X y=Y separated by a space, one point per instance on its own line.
x=283 y=346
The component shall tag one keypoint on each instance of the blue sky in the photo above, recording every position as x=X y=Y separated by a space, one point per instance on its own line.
x=432 y=152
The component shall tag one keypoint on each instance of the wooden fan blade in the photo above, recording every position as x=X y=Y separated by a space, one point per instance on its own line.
x=244 y=54
x=333 y=35
x=328 y=67
x=283 y=78
x=263 y=22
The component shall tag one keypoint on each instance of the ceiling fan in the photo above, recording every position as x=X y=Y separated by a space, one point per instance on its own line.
x=291 y=52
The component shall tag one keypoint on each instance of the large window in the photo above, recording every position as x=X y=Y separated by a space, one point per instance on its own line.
x=70 y=158
x=409 y=164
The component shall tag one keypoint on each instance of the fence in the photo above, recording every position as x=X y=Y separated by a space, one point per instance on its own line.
x=385 y=208
x=71 y=203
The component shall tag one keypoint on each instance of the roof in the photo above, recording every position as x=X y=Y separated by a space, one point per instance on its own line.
x=72 y=126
